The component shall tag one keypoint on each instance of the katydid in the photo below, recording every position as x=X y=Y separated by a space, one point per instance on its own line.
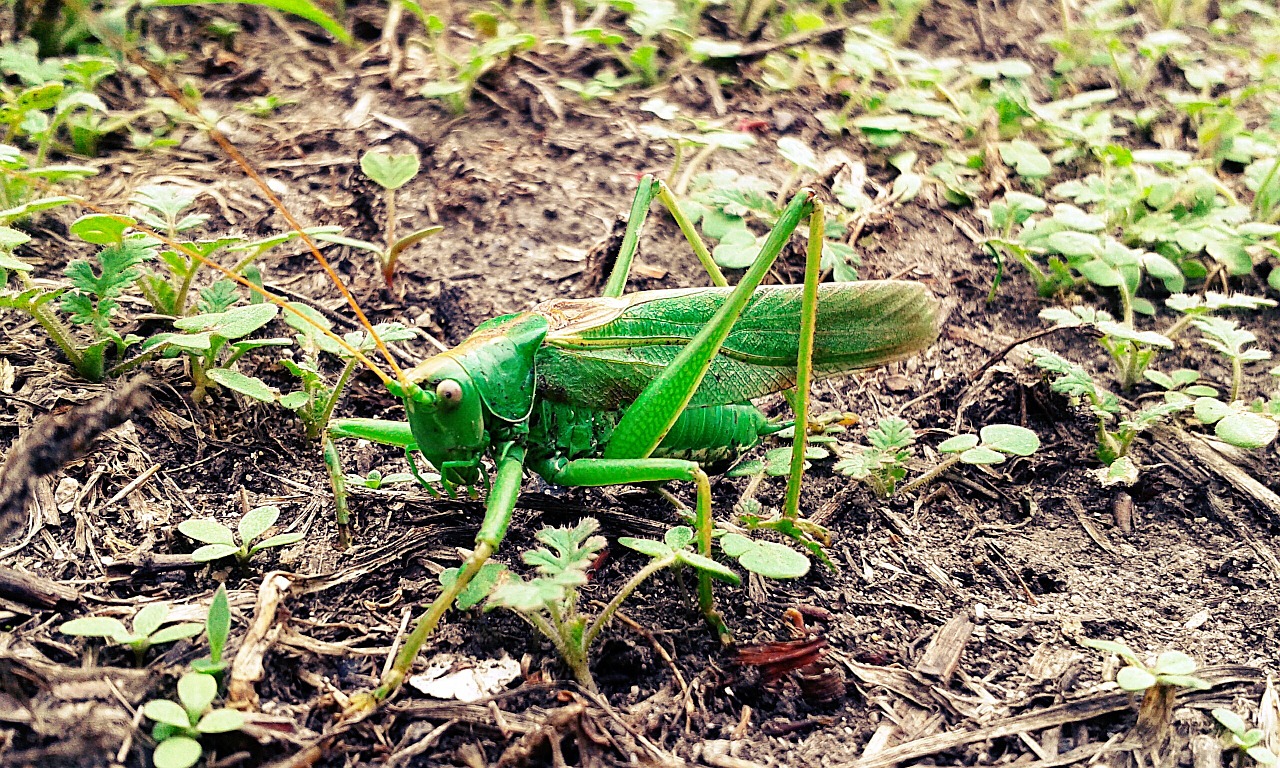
x=645 y=388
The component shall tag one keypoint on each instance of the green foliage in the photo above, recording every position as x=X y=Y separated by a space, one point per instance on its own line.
x=390 y=172
x=992 y=445
x=318 y=396
x=214 y=341
x=550 y=601
x=220 y=542
x=1172 y=669
x=146 y=630
x=217 y=628
x=458 y=74
x=1113 y=442
x=1239 y=736
x=303 y=9
x=50 y=104
x=883 y=463
x=180 y=724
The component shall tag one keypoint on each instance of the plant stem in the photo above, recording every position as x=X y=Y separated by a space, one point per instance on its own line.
x=932 y=474
x=391 y=230
x=1237 y=378
x=332 y=402
x=180 y=301
x=607 y=614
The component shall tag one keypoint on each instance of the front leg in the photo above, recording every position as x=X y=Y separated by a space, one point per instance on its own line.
x=598 y=472
x=497 y=517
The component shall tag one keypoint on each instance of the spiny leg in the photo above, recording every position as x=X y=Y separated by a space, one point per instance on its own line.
x=811 y=535
x=376 y=430
x=649 y=186
x=598 y=472
x=497 y=518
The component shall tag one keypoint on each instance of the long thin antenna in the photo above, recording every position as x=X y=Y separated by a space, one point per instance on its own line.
x=165 y=83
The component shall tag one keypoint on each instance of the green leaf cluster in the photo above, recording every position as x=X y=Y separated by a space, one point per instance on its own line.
x=883 y=463
x=180 y=724
x=220 y=542
x=147 y=629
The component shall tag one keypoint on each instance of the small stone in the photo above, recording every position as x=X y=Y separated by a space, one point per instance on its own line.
x=783 y=120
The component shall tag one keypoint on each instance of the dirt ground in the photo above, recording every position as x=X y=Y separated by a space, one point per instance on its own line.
x=951 y=620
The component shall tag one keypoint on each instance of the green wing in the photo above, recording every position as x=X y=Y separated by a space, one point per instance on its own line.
x=601 y=353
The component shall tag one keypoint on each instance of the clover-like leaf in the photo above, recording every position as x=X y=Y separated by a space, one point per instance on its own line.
x=196 y=692
x=96 y=626
x=101 y=228
x=982 y=455
x=250 y=386
x=712 y=568
x=774 y=561
x=207 y=531
x=1010 y=438
x=149 y=618
x=1174 y=663
x=654 y=549
x=388 y=170
x=177 y=752
x=167 y=712
x=256 y=522
x=221 y=720
x=958 y=444
x=1135 y=679
x=1245 y=430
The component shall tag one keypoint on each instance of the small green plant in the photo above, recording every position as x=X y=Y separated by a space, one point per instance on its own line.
x=91 y=303
x=213 y=341
x=389 y=172
x=319 y=394
x=1158 y=681
x=458 y=76
x=550 y=601
x=217 y=628
x=1113 y=444
x=992 y=445
x=180 y=724
x=1131 y=350
x=1236 y=423
x=147 y=629
x=882 y=464
x=1244 y=740
x=220 y=542
x=49 y=103
x=1232 y=342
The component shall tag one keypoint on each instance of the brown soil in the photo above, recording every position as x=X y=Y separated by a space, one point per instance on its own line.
x=1033 y=554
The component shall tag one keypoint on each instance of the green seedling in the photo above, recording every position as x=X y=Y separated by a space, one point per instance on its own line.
x=1179 y=386
x=550 y=601
x=217 y=628
x=458 y=77
x=50 y=102
x=1132 y=351
x=266 y=106
x=220 y=542
x=1158 y=682
x=375 y=479
x=882 y=464
x=992 y=445
x=213 y=341
x=91 y=303
x=179 y=725
x=1113 y=444
x=315 y=401
x=147 y=629
x=391 y=172
x=1246 y=741
x=1234 y=343
x=1198 y=307
x=1244 y=426
x=20 y=180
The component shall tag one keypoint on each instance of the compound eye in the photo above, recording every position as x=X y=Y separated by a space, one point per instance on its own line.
x=449 y=391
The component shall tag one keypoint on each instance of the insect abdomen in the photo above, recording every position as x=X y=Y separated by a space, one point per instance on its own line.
x=715 y=434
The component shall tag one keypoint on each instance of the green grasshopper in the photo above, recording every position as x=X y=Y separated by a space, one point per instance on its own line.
x=650 y=387
x=646 y=388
